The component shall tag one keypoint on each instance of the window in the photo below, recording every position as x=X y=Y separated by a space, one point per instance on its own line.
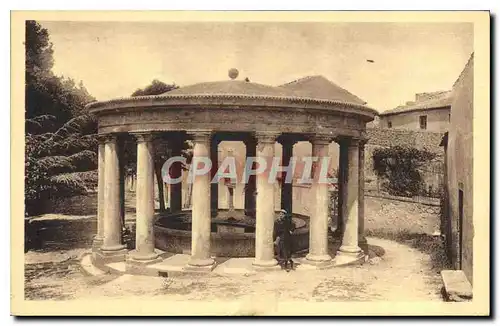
x=423 y=122
x=389 y=124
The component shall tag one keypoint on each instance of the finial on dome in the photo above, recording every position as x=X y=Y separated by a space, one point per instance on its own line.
x=233 y=73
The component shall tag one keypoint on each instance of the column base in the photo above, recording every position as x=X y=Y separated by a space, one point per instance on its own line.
x=97 y=243
x=143 y=258
x=106 y=256
x=347 y=255
x=265 y=264
x=200 y=265
x=318 y=260
x=138 y=264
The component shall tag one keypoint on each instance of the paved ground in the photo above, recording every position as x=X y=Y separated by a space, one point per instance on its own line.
x=404 y=274
x=409 y=270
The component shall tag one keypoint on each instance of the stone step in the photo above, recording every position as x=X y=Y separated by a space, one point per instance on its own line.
x=457 y=287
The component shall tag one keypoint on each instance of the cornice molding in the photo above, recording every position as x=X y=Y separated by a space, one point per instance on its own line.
x=214 y=99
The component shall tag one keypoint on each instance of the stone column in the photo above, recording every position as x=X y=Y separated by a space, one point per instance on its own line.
x=349 y=251
x=318 y=226
x=361 y=209
x=287 y=188
x=250 y=187
x=98 y=239
x=214 y=187
x=200 y=234
x=112 y=248
x=264 y=247
x=176 y=171
x=144 y=235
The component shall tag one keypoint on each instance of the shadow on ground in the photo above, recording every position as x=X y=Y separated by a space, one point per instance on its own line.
x=36 y=290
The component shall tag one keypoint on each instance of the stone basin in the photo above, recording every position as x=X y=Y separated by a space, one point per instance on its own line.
x=232 y=233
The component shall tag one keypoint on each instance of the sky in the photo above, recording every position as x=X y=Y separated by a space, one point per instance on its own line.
x=113 y=59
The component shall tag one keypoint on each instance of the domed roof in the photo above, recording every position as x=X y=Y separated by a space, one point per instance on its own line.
x=319 y=87
x=230 y=87
x=309 y=92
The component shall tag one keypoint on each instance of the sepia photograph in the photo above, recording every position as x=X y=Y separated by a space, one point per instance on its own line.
x=250 y=164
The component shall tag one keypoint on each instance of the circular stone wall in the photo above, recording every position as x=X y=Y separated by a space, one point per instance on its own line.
x=228 y=238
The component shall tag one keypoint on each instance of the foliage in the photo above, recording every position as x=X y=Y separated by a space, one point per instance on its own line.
x=60 y=153
x=399 y=169
x=155 y=88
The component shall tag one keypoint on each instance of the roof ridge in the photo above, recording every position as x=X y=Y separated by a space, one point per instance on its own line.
x=301 y=79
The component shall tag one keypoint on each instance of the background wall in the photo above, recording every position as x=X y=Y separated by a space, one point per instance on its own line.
x=432 y=173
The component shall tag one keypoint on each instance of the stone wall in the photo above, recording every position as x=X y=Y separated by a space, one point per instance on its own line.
x=432 y=174
x=459 y=162
x=397 y=137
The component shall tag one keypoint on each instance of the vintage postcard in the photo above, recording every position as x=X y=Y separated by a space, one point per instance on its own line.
x=250 y=163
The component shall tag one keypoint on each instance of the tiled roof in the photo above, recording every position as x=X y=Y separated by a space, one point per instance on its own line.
x=315 y=90
x=316 y=87
x=321 y=88
x=231 y=87
x=439 y=100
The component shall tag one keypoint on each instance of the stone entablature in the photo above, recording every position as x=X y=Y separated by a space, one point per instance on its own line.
x=231 y=113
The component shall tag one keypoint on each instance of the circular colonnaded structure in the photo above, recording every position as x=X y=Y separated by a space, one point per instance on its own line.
x=309 y=109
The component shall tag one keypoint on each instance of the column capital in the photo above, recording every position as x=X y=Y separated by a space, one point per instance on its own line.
x=200 y=136
x=107 y=138
x=143 y=136
x=266 y=137
x=101 y=138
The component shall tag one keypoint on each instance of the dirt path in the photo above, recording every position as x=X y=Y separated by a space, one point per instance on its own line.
x=403 y=274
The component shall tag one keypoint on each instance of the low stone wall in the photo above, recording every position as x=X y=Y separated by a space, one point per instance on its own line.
x=429 y=201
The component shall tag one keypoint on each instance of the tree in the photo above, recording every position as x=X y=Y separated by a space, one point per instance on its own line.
x=60 y=153
x=155 y=88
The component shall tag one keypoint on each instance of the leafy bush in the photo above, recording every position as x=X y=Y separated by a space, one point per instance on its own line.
x=399 y=169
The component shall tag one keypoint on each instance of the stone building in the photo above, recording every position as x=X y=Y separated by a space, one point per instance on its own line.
x=429 y=112
x=459 y=228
